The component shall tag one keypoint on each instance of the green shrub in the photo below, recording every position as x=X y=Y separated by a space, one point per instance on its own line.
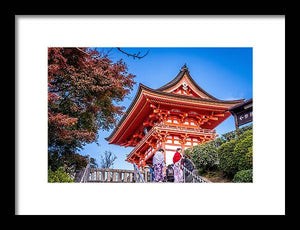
x=232 y=135
x=249 y=156
x=59 y=176
x=218 y=142
x=204 y=156
x=227 y=161
x=236 y=154
x=243 y=176
x=229 y=136
x=241 y=151
x=232 y=154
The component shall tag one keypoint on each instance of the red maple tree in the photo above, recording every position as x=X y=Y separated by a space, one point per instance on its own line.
x=83 y=85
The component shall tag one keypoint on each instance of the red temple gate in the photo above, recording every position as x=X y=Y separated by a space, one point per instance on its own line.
x=178 y=114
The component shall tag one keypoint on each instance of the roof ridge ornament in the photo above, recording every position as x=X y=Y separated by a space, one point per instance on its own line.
x=184 y=67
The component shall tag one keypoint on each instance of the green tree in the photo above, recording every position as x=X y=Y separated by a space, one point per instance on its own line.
x=204 y=156
x=68 y=160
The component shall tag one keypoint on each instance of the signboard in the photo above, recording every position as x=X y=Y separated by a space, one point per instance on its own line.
x=244 y=117
x=242 y=113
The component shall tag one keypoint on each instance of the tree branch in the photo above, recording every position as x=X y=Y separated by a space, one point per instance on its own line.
x=82 y=51
x=133 y=55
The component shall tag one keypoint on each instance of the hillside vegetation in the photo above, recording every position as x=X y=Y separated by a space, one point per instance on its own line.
x=228 y=158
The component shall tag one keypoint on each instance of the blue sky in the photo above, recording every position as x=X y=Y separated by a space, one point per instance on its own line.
x=225 y=73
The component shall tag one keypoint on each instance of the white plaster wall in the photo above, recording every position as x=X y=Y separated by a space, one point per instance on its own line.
x=169 y=157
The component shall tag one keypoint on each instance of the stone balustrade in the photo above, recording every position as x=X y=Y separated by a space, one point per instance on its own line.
x=115 y=175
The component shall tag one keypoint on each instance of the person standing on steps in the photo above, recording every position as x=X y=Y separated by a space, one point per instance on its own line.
x=151 y=171
x=188 y=164
x=158 y=165
x=170 y=173
x=178 y=172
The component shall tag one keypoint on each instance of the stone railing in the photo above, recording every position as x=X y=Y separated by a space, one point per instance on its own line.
x=82 y=176
x=193 y=176
x=138 y=177
x=101 y=175
x=115 y=175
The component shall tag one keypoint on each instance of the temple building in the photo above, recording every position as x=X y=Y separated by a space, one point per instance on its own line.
x=178 y=114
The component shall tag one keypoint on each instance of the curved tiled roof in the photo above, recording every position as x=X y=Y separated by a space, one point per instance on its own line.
x=240 y=106
x=184 y=70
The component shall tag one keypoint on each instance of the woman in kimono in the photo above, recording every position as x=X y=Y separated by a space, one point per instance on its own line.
x=178 y=172
x=158 y=165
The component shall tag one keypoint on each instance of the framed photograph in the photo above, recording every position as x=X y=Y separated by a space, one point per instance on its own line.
x=149 y=108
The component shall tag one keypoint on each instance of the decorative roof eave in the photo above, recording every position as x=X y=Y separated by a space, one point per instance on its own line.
x=125 y=115
x=142 y=88
x=241 y=105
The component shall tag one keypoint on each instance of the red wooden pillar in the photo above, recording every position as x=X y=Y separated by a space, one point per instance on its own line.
x=182 y=141
x=163 y=147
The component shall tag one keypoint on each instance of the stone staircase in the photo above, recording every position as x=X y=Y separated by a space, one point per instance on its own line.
x=105 y=175
x=115 y=175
